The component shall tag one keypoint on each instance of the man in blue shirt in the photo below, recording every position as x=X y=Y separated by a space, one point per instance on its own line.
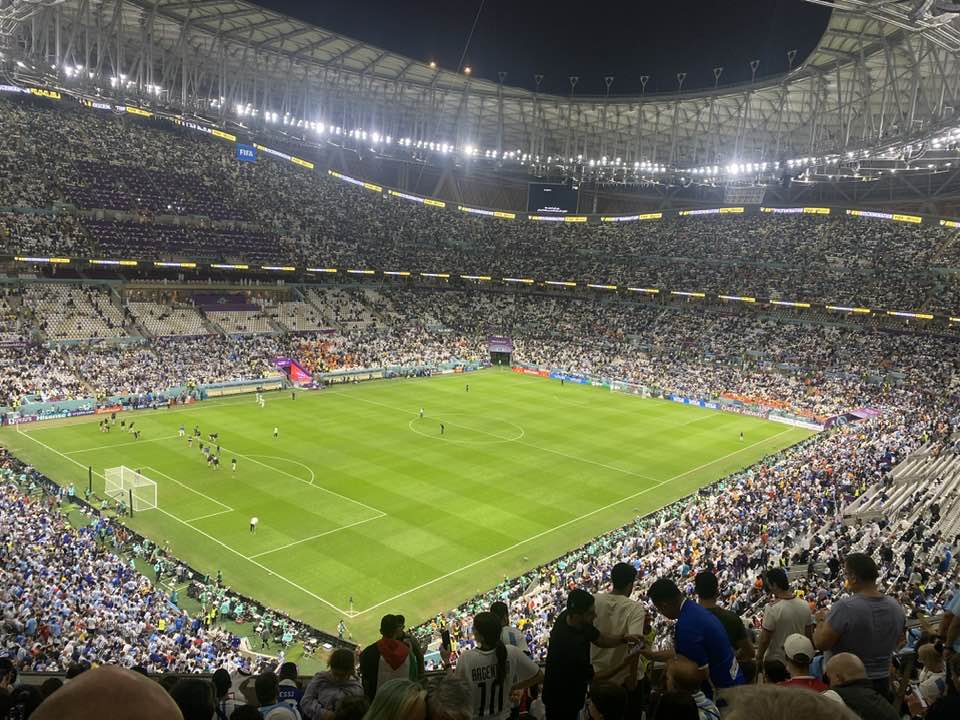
x=698 y=635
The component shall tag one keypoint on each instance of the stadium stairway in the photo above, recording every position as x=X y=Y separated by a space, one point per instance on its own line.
x=211 y=326
x=922 y=472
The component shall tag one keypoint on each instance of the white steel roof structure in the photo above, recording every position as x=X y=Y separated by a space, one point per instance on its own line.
x=882 y=72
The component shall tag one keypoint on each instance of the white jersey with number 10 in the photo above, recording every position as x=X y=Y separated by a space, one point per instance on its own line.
x=479 y=668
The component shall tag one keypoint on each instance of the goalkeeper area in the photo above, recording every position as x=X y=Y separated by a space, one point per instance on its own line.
x=131 y=488
x=365 y=507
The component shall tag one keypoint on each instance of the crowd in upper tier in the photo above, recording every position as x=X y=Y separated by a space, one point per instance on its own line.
x=757 y=575
x=145 y=189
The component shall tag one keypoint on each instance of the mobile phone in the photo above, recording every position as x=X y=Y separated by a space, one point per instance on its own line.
x=445 y=638
x=918 y=696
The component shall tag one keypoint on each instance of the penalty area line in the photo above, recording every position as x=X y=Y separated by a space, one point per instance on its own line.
x=210 y=537
x=209 y=515
x=253 y=459
x=226 y=507
x=314 y=537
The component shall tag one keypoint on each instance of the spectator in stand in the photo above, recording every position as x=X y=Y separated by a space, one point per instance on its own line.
x=699 y=636
x=109 y=692
x=352 y=708
x=787 y=614
x=246 y=712
x=289 y=690
x=267 y=689
x=685 y=678
x=568 y=670
x=708 y=590
x=606 y=702
x=223 y=691
x=946 y=707
x=932 y=682
x=387 y=659
x=450 y=698
x=618 y=615
x=950 y=624
x=327 y=691
x=195 y=698
x=769 y=702
x=798 y=653
x=848 y=678
x=411 y=642
x=398 y=699
x=867 y=624
x=675 y=706
x=495 y=672
x=510 y=635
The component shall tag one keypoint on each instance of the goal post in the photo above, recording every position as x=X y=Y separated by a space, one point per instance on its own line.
x=134 y=489
x=630 y=388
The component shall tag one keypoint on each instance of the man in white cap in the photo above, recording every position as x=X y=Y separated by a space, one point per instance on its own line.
x=799 y=653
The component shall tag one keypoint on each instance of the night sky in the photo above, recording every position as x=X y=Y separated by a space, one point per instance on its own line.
x=589 y=39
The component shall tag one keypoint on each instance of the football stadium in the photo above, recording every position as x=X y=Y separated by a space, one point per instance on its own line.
x=350 y=370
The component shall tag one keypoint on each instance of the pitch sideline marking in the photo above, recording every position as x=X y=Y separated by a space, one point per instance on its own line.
x=144 y=412
x=219 y=542
x=187 y=487
x=107 y=447
x=568 y=522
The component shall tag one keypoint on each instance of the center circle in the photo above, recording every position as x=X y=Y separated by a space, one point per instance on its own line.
x=416 y=424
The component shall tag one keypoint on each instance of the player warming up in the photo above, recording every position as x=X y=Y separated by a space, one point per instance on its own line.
x=442 y=428
x=276 y=433
x=421 y=413
x=741 y=436
x=233 y=465
x=253 y=524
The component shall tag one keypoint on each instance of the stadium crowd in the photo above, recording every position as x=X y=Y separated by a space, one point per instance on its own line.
x=757 y=577
x=164 y=193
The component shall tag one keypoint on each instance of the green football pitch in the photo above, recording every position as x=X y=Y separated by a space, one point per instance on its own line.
x=360 y=498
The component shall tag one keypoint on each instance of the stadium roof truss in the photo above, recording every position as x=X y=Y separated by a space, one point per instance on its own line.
x=882 y=72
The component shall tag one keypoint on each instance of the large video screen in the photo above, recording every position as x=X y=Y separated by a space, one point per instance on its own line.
x=548 y=198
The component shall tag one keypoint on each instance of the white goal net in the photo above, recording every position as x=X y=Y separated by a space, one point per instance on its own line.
x=630 y=388
x=130 y=487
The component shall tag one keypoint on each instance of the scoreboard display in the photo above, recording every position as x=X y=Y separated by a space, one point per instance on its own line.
x=552 y=198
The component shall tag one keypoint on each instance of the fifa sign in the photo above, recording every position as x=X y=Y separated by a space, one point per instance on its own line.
x=246 y=153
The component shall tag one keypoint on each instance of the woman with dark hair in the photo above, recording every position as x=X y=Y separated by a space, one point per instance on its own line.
x=495 y=671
